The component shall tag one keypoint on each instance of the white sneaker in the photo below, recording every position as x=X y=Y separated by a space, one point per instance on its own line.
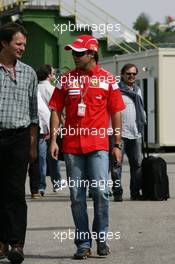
x=63 y=182
x=56 y=189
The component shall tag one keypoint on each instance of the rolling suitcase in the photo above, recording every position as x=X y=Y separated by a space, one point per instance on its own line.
x=155 y=183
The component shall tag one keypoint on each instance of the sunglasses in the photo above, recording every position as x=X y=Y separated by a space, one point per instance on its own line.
x=131 y=73
x=78 y=54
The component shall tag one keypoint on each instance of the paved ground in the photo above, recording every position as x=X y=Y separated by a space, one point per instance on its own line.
x=147 y=229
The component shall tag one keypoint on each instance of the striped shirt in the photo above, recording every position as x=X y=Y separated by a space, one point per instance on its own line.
x=18 y=97
x=129 y=125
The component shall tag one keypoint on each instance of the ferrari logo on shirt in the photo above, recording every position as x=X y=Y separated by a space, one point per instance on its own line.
x=73 y=84
x=95 y=83
x=76 y=84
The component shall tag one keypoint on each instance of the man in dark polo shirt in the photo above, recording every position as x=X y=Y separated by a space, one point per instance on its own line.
x=18 y=144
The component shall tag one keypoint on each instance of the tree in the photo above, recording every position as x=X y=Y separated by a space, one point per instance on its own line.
x=163 y=34
x=142 y=23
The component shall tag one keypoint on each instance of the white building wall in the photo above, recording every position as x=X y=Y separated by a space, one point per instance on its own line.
x=159 y=67
x=167 y=98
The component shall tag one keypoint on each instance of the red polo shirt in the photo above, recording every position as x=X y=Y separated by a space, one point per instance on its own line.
x=88 y=133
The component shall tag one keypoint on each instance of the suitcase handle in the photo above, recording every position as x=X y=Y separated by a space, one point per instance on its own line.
x=145 y=149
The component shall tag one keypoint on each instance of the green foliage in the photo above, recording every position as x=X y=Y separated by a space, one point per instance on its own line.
x=158 y=33
x=142 y=23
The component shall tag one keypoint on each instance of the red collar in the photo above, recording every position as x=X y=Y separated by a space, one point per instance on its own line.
x=92 y=72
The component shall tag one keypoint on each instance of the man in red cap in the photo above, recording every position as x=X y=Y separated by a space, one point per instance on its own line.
x=89 y=94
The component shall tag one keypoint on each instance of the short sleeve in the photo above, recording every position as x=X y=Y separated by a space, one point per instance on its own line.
x=115 y=101
x=57 y=100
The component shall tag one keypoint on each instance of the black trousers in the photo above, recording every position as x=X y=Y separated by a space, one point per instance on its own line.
x=14 y=158
x=34 y=176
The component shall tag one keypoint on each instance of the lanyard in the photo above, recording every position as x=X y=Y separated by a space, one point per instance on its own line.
x=85 y=92
x=81 y=84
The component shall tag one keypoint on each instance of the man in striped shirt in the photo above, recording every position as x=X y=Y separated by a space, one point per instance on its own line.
x=18 y=130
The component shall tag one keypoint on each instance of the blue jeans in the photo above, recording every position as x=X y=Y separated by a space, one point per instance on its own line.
x=133 y=150
x=44 y=159
x=92 y=169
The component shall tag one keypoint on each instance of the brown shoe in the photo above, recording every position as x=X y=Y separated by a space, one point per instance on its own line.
x=35 y=195
x=3 y=250
x=16 y=255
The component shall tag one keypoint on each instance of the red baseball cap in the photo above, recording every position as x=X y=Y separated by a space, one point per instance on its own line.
x=83 y=43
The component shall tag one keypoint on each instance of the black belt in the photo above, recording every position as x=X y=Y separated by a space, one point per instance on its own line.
x=13 y=131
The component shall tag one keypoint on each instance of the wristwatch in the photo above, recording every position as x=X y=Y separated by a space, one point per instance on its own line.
x=119 y=146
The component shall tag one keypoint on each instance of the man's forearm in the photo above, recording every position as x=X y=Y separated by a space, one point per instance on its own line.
x=117 y=126
x=33 y=140
x=33 y=133
x=55 y=121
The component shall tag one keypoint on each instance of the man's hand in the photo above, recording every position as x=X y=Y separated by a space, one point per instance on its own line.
x=117 y=154
x=116 y=124
x=54 y=150
x=54 y=124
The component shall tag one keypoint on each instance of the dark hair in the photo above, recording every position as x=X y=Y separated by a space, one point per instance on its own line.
x=43 y=72
x=127 y=67
x=96 y=57
x=8 y=30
